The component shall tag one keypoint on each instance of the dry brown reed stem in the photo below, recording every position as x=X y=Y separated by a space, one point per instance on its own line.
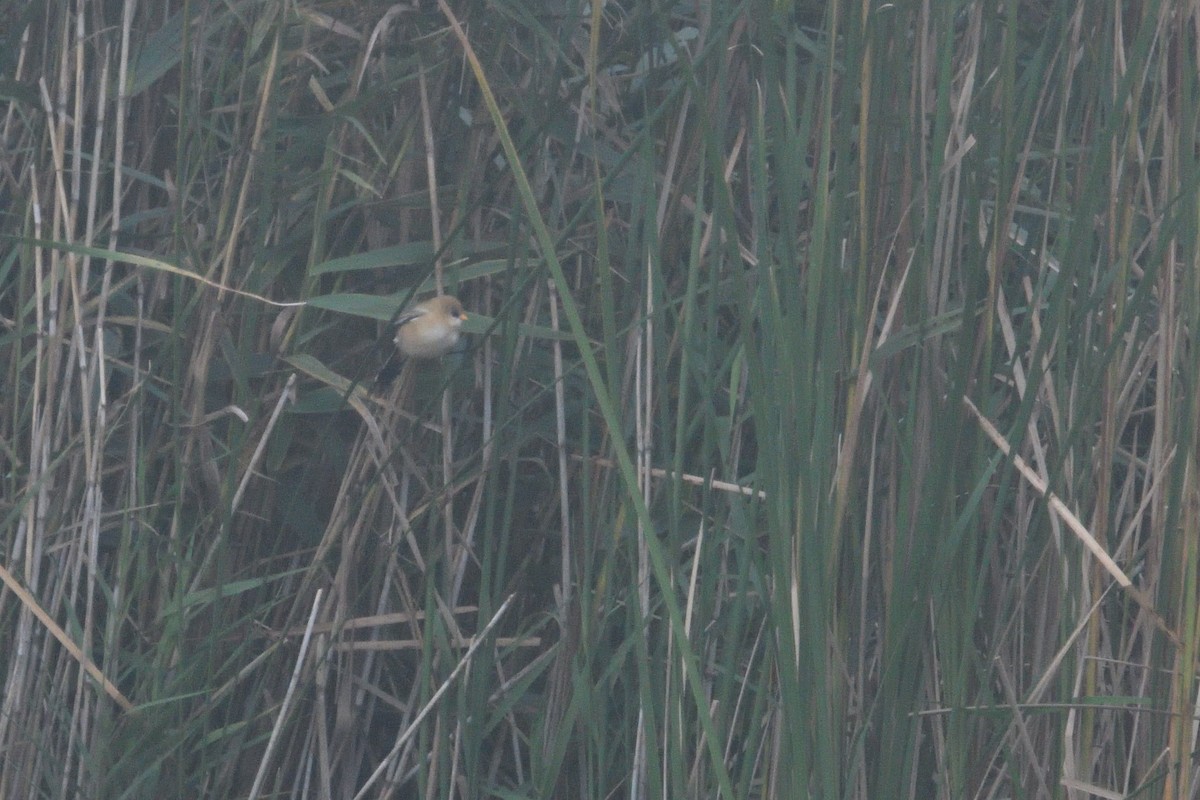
x=57 y=632
x=408 y=732
x=560 y=433
x=288 y=699
x=695 y=480
x=1077 y=527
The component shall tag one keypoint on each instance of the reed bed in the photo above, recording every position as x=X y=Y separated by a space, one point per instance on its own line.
x=827 y=426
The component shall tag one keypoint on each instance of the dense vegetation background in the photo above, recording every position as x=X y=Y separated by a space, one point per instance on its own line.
x=828 y=425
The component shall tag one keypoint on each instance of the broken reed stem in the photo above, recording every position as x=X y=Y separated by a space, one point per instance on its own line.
x=695 y=480
x=1073 y=522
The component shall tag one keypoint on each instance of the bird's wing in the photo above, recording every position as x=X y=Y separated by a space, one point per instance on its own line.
x=409 y=316
x=392 y=366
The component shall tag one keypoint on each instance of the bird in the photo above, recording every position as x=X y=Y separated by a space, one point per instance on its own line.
x=427 y=330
